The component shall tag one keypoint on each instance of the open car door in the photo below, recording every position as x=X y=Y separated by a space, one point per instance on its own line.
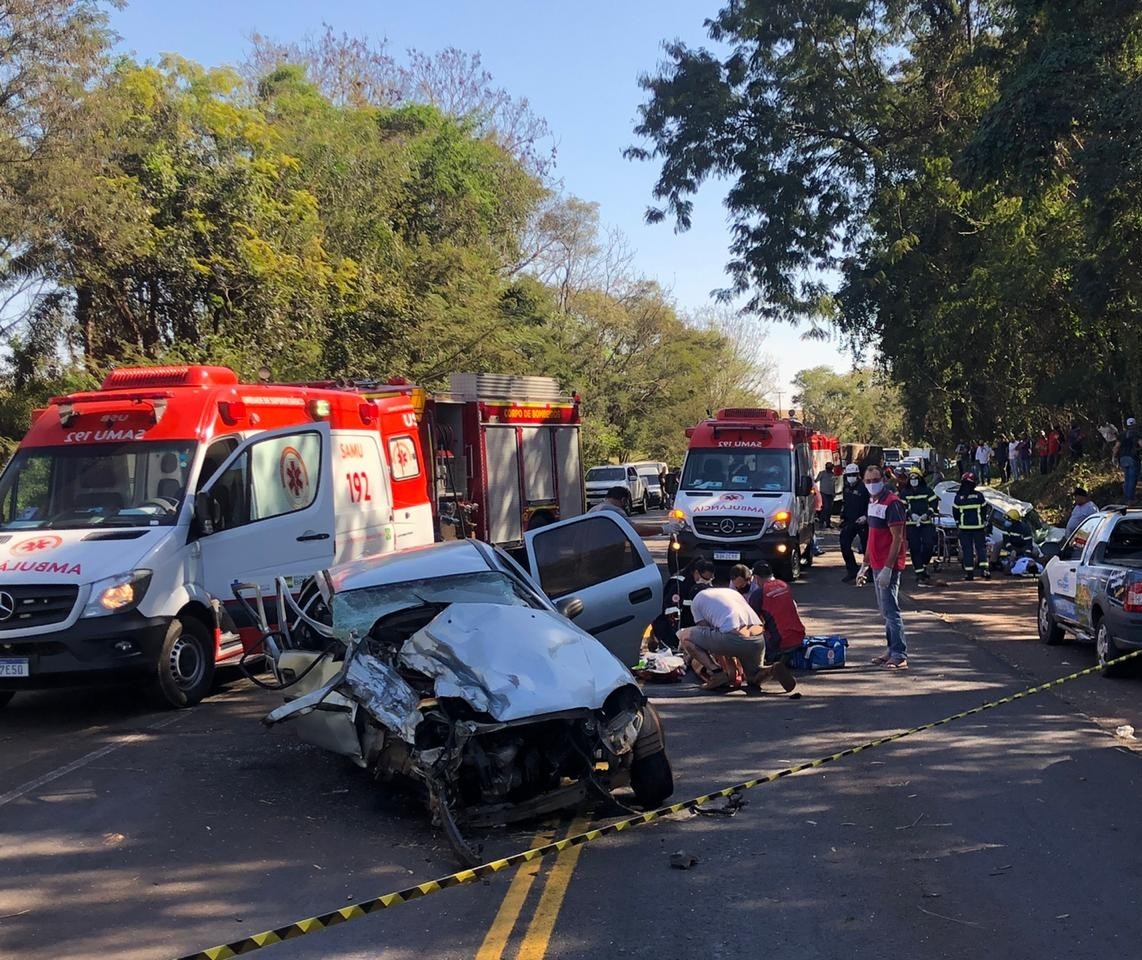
x=599 y=558
x=267 y=512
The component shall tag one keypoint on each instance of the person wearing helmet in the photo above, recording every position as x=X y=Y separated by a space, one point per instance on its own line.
x=854 y=519
x=922 y=505
x=971 y=512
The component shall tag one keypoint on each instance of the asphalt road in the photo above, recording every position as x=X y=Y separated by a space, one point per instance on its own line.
x=132 y=834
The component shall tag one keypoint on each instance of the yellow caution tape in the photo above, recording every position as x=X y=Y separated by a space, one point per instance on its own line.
x=356 y=911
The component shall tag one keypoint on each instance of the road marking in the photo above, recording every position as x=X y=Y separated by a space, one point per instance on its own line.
x=496 y=940
x=538 y=936
x=24 y=789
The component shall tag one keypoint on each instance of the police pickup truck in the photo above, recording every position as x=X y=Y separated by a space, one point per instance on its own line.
x=1091 y=588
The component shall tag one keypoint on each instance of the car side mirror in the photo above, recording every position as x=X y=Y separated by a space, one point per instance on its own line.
x=570 y=607
x=1052 y=548
x=804 y=486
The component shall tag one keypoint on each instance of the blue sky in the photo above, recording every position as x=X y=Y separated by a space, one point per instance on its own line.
x=577 y=64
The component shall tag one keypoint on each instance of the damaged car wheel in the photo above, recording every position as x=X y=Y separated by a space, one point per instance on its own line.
x=651 y=777
x=652 y=780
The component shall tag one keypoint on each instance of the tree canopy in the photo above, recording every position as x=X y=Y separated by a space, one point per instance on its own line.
x=952 y=183
x=327 y=212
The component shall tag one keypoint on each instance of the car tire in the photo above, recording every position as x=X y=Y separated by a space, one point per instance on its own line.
x=6 y=697
x=541 y=519
x=1050 y=632
x=185 y=668
x=1107 y=651
x=652 y=780
x=807 y=555
x=642 y=508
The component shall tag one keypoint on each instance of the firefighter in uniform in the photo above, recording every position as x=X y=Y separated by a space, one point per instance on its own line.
x=971 y=511
x=922 y=505
x=854 y=519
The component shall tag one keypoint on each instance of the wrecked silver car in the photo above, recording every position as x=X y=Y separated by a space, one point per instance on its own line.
x=447 y=669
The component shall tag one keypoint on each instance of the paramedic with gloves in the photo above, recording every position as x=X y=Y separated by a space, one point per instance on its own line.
x=885 y=558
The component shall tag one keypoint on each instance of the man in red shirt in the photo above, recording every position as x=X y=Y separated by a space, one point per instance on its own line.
x=886 y=557
x=772 y=600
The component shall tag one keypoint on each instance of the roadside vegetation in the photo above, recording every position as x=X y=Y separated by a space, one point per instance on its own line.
x=956 y=185
x=326 y=210
x=1051 y=493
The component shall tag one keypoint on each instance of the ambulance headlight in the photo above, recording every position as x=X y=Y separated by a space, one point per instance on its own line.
x=780 y=520
x=118 y=594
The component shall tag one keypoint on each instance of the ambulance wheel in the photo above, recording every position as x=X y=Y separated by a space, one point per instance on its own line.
x=541 y=519
x=791 y=568
x=6 y=697
x=185 y=669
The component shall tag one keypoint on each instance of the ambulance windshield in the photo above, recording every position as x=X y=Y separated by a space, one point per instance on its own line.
x=95 y=485
x=737 y=469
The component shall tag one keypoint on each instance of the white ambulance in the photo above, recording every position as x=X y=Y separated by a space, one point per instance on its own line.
x=128 y=513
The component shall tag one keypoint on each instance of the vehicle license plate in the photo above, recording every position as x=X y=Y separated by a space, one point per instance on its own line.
x=727 y=555
x=14 y=667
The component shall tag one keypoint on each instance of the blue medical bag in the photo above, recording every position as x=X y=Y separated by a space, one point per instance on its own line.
x=819 y=653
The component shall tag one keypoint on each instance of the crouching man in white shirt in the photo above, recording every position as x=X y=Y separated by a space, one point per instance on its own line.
x=724 y=625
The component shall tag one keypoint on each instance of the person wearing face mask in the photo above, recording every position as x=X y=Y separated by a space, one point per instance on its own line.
x=677 y=600
x=923 y=506
x=971 y=513
x=885 y=558
x=854 y=519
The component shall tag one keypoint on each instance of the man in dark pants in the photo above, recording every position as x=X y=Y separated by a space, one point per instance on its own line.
x=922 y=506
x=772 y=600
x=971 y=513
x=827 y=487
x=854 y=519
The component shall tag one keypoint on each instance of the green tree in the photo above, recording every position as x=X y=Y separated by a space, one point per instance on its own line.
x=856 y=407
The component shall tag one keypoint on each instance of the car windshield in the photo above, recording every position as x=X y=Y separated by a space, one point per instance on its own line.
x=650 y=477
x=113 y=484
x=606 y=473
x=355 y=611
x=739 y=469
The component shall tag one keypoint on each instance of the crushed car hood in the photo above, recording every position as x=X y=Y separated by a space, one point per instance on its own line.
x=514 y=662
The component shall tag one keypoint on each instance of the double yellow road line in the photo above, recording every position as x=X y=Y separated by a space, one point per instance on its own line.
x=537 y=936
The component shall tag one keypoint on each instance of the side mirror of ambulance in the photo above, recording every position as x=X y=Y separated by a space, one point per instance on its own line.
x=204 y=510
x=804 y=486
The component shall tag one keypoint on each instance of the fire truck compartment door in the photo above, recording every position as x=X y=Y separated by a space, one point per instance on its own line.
x=505 y=516
x=570 y=469
x=599 y=558
x=271 y=507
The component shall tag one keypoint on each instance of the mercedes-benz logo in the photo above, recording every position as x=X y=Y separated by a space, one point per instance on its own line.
x=728 y=525
x=7 y=605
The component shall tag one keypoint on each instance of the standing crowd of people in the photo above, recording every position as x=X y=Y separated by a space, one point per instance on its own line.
x=745 y=633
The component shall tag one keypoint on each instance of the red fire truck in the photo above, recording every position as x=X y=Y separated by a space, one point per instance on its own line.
x=506 y=454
